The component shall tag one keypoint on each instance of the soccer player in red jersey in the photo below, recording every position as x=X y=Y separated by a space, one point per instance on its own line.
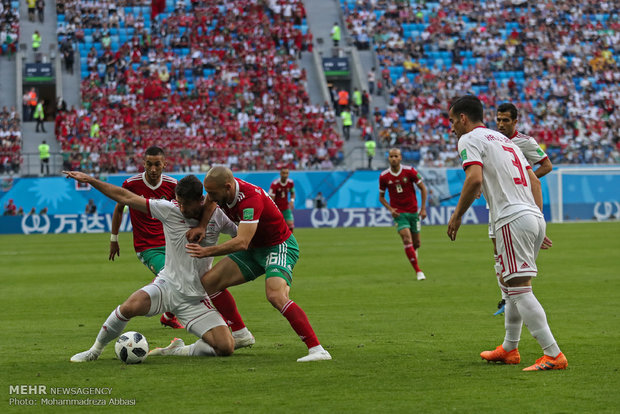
x=398 y=180
x=264 y=245
x=279 y=191
x=148 y=233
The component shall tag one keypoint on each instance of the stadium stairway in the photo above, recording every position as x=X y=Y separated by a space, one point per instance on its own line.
x=312 y=78
x=321 y=15
x=8 y=90
x=49 y=48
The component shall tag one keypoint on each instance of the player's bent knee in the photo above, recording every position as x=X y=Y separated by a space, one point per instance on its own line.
x=138 y=304
x=277 y=297
x=221 y=340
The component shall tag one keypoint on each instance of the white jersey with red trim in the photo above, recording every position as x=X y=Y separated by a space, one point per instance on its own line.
x=182 y=271
x=529 y=147
x=506 y=183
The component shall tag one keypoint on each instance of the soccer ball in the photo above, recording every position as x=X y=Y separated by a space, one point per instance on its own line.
x=131 y=347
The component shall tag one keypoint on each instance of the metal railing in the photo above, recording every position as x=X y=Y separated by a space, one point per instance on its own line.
x=31 y=165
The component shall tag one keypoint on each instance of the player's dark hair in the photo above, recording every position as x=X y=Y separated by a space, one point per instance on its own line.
x=154 y=151
x=508 y=107
x=468 y=105
x=189 y=188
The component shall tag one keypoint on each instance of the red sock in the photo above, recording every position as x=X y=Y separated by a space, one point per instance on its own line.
x=300 y=324
x=225 y=304
x=412 y=256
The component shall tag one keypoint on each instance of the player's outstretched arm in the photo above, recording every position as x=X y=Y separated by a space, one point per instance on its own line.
x=471 y=188
x=118 y=194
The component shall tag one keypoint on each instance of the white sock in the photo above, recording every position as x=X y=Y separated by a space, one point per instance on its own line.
x=318 y=348
x=111 y=329
x=513 y=323
x=534 y=317
x=241 y=332
x=199 y=348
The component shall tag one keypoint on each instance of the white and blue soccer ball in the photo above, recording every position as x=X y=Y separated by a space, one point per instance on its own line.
x=131 y=347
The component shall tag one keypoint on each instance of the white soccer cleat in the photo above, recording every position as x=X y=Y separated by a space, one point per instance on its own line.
x=85 y=356
x=175 y=345
x=322 y=355
x=421 y=276
x=243 y=338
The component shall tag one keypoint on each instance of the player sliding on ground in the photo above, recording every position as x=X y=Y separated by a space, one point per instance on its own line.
x=497 y=166
x=264 y=245
x=177 y=288
x=148 y=233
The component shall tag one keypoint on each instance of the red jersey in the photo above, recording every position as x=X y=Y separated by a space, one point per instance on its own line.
x=281 y=191
x=252 y=204
x=400 y=188
x=148 y=232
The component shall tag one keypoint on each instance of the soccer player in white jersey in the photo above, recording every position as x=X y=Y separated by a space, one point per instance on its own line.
x=497 y=166
x=507 y=116
x=177 y=287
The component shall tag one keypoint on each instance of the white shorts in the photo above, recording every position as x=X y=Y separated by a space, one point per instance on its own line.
x=197 y=314
x=518 y=244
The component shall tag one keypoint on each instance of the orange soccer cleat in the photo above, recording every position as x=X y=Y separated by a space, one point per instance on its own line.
x=499 y=354
x=168 y=319
x=546 y=363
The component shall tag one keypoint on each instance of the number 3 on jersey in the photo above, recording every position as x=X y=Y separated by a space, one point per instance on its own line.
x=517 y=163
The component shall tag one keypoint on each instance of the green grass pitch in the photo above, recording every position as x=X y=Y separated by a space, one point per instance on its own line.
x=398 y=345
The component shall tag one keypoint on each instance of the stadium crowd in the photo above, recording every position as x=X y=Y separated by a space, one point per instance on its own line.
x=10 y=141
x=557 y=61
x=9 y=27
x=214 y=83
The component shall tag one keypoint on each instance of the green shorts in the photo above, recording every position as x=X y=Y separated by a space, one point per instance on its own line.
x=288 y=214
x=154 y=259
x=408 y=221
x=273 y=261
